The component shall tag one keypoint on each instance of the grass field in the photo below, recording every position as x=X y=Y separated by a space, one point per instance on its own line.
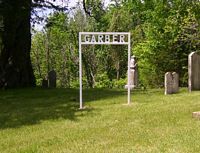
x=48 y=120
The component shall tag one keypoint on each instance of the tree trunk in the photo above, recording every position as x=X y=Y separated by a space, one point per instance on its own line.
x=15 y=64
x=87 y=71
x=117 y=69
x=37 y=57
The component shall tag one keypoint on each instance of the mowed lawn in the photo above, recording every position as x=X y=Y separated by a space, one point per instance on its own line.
x=48 y=120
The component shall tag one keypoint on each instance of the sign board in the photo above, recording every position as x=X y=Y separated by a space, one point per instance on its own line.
x=103 y=38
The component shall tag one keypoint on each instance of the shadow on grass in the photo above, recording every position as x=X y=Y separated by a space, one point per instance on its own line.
x=32 y=106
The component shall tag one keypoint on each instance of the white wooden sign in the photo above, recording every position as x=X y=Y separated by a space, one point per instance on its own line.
x=103 y=38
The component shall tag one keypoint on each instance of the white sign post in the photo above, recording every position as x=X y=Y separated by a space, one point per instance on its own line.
x=103 y=38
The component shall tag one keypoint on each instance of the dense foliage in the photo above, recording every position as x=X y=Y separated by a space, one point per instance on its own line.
x=163 y=33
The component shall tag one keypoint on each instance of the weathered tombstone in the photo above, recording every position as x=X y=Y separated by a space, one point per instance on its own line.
x=196 y=115
x=44 y=83
x=194 y=71
x=175 y=82
x=133 y=73
x=52 y=79
x=168 y=83
x=171 y=83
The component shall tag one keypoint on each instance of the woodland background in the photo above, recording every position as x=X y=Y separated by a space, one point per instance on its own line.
x=163 y=33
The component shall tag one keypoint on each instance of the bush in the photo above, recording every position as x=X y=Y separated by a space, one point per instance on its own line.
x=119 y=83
x=102 y=81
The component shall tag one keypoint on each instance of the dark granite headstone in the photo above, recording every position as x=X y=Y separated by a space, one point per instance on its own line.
x=44 y=83
x=52 y=79
x=194 y=71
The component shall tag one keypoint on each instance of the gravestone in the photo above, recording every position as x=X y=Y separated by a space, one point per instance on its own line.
x=196 y=115
x=133 y=73
x=171 y=83
x=44 y=83
x=52 y=79
x=194 y=71
x=175 y=85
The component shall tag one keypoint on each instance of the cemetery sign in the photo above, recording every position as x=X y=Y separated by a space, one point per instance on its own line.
x=103 y=38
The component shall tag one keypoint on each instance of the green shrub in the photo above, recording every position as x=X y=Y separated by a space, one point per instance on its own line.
x=102 y=81
x=119 y=83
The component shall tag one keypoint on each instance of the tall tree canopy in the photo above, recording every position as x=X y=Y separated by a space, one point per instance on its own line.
x=163 y=33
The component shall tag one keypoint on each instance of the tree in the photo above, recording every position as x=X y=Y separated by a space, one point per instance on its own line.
x=15 y=64
x=171 y=32
x=55 y=48
x=15 y=39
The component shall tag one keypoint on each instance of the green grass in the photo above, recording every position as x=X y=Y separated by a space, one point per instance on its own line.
x=48 y=120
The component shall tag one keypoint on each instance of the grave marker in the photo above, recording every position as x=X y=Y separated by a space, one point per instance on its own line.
x=52 y=79
x=133 y=75
x=194 y=71
x=171 y=83
x=44 y=83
